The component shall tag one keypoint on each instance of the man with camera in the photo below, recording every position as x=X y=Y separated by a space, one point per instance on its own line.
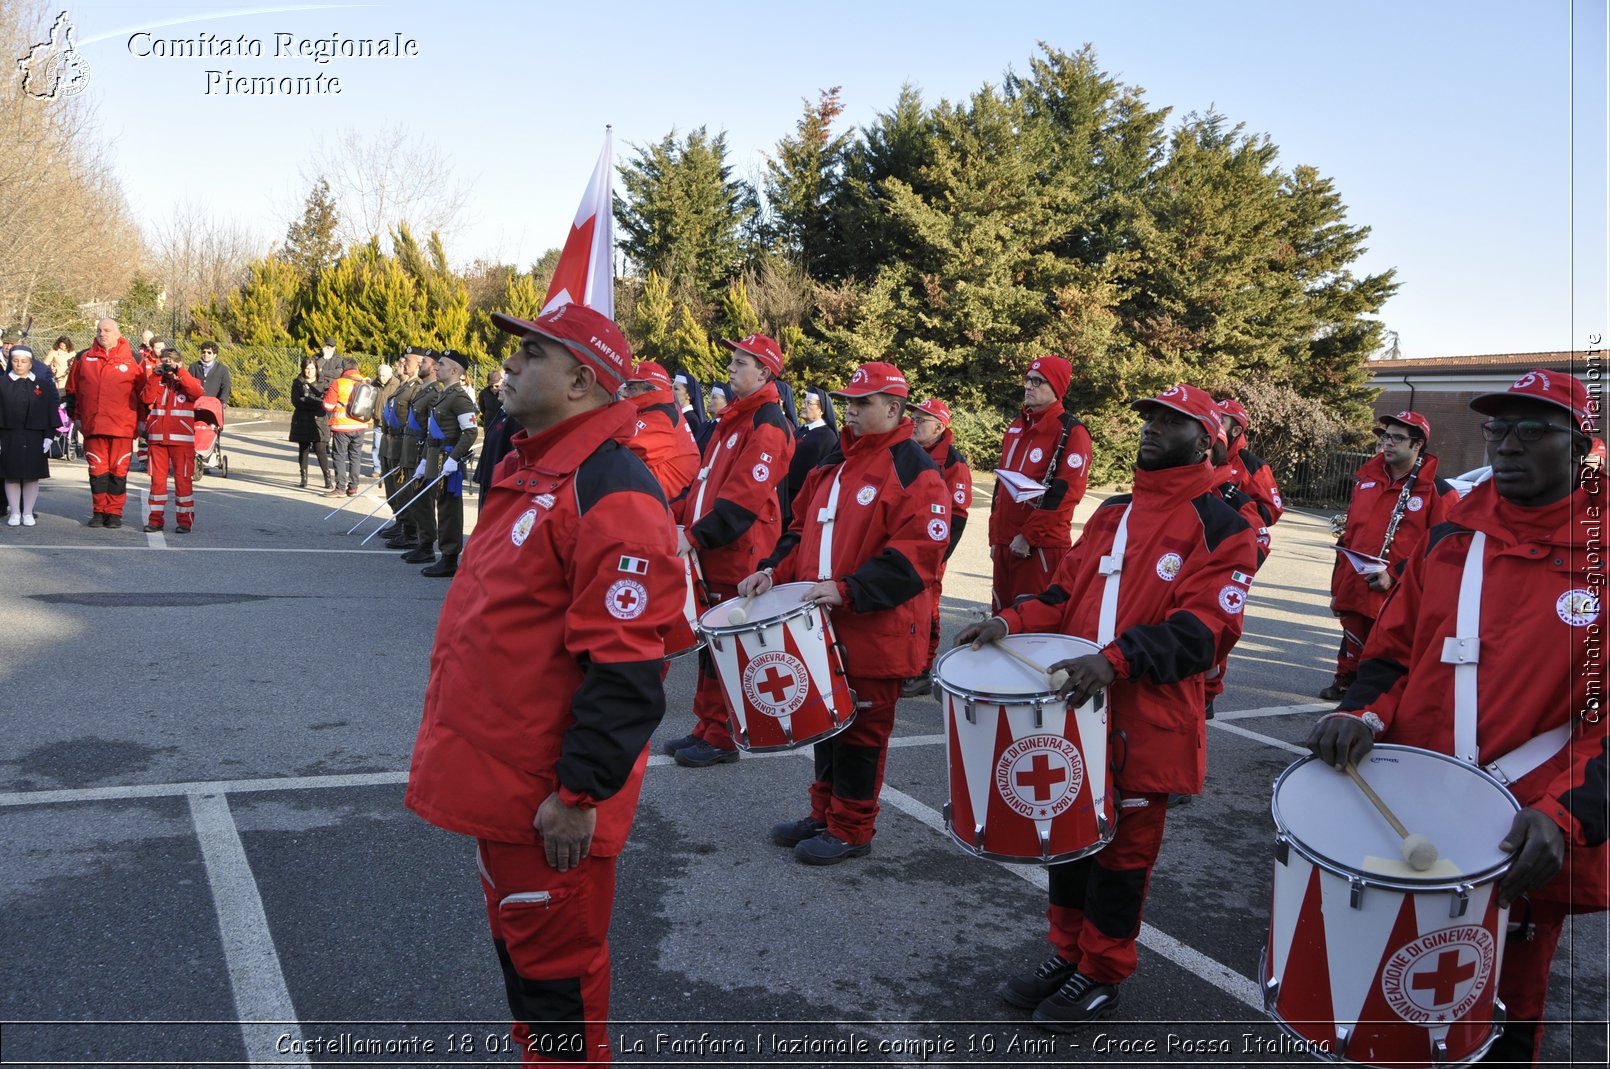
x=170 y=394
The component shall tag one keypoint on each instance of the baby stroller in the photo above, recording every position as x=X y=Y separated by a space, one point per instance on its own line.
x=61 y=442
x=209 y=431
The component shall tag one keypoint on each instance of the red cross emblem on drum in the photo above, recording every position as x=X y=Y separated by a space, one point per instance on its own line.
x=776 y=683
x=1039 y=776
x=1440 y=976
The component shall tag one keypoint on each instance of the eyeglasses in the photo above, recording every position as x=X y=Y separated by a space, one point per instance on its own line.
x=1395 y=439
x=1035 y=381
x=1527 y=430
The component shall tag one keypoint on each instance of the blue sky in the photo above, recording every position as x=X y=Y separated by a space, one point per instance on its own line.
x=1469 y=136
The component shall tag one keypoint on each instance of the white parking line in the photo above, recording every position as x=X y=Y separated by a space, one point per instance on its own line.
x=1220 y=976
x=262 y=1001
x=1236 y=729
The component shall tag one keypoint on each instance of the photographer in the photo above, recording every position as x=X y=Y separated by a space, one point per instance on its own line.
x=170 y=392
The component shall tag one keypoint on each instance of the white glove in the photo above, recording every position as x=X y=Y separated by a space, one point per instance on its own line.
x=449 y=466
x=419 y=472
x=46 y=444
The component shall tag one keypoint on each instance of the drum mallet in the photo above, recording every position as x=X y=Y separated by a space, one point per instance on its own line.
x=740 y=611
x=1419 y=851
x=1057 y=679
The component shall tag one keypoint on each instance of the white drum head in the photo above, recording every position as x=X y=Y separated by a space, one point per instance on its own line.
x=777 y=603
x=1461 y=809
x=993 y=672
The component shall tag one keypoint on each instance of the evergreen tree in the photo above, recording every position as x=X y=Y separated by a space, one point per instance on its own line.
x=310 y=242
x=652 y=317
x=799 y=180
x=737 y=317
x=260 y=311
x=141 y=309
x=688 y=348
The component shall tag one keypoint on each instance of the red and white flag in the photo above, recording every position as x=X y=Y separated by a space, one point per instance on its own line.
x=586 y=271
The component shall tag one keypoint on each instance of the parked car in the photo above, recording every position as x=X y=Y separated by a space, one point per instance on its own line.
x=1467 y=482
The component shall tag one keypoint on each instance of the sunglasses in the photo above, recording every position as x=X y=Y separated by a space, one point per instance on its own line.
x=1527 y=430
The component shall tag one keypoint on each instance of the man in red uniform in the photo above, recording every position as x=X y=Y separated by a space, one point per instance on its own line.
x=1249 y=472
x=1181 y=561
x=545 y=677
x=871 y=525
x=170 y=394
x=661 y=437
x=731 y=518
x=1398 y=490
x=1051 y=447
x=930 y=428
x=103 y=394
x=1255 y=512
x=1525 y=542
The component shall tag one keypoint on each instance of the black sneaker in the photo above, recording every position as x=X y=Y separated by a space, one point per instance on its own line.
x=97 y=520
x=1076 y=1003
x=702 y=755
x=670 y=748
x=113 y=520
x=1334 y=692
x=183 y=528
x=828 y=849
x=916 y=686
x=1177 y=800
x=1027 y=992
x=794 y=832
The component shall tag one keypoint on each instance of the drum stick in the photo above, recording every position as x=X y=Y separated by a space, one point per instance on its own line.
x=1056 y=679
x=1418 y=850
x=740 y=612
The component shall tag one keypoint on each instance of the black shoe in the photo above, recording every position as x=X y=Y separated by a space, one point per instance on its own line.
x=442 y=569
x=183 y=528
x=152 y=527
x=113 y=520
x=420 y=555
x=390 y=531
x=1177 y=800
x=702 y=755
x=1027 y=992
x=97 y=520
x=916 y=686
x=826 y=848
x=1209 y=709
x=1334 y=692
x=303 y=484
x=793 y=832
x=400 y=541
x=670 y=748
x=1077 y=1002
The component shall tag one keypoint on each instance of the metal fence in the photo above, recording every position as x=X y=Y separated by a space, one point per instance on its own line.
x=1326 y=482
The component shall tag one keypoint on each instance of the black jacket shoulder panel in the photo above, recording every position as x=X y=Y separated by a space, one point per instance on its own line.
x=1439 y=532
x=1252 y=461
x=672 y=413
x=1219 y=520
x=1115 y=500
x=954 y=457
x=771 y=415
x=910 y=460
x=611 y=469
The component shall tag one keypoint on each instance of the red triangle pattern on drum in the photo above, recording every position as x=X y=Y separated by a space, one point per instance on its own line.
x=1005 y=831
x=1305 y=996
x=1382 y=1033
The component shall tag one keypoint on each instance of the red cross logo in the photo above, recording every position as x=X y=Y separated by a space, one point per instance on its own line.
x=626 y=599
x=1444 y=980
x=775 y=684
x=1041 y=777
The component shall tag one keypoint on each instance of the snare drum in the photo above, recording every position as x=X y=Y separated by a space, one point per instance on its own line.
x=684 y=637
x=781 y=670
x=1028 y=779
x=1369 y=961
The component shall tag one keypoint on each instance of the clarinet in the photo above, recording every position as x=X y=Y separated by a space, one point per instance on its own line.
x=1403 y=504
x=1056 y=461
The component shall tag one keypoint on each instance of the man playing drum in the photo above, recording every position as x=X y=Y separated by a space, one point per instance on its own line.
x=1185 y=560
x=871 y=525
x=1486 y=651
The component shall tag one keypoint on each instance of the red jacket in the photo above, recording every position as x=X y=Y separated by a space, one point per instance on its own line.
x=662 y=439
x=1542 y=662
x=1027 y=447
x=335 y=402
x=1186 y=571
x=1375 y=494
x=736 y=519
x=546 y=669
x=959 y=482
x=1248 y=507
x=172 y=416
x=1253 y=477
x=890 y=532
x=105 y=388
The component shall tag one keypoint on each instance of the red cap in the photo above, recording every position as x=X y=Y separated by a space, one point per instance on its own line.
x=1411 y=419
x=589 y=336
x=650 y=372
x=1550 y=387
x=1197 y=404
x=1056 y=371
x=1234 y=409
x=934 y=407
x=876 y=377
x=761 y=348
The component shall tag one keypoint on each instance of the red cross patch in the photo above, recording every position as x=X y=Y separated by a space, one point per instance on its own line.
x=626 y=599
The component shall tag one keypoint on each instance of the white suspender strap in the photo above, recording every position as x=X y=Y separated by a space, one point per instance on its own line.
x=1111 y=565
x=704 y=483
x=824 y=518
x=1463 y=651
x=1530 y=754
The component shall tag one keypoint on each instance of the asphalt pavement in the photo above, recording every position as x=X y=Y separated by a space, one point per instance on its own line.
x=207 y=739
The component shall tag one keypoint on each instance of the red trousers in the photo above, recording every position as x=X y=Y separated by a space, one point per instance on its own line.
x=1016 y=577
x=849 y=766
x=181 y=456
x=108 y=460
x=1356 y=629
x=1096 y=902
x=551 y=933
x=714 y=716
